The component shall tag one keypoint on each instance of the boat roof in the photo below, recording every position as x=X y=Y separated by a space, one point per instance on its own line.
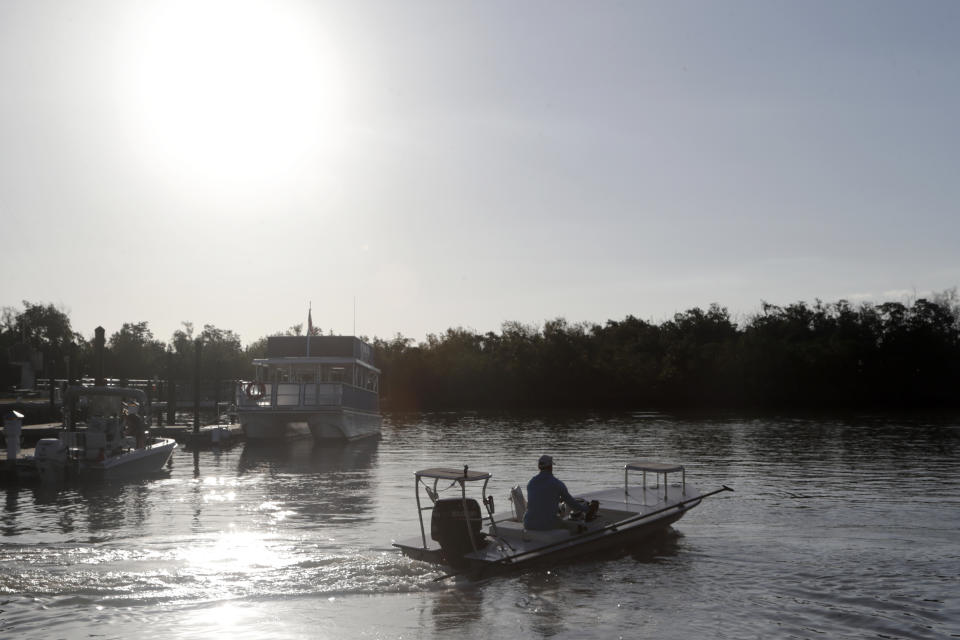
x=656 y=467
x=450 y=473
x=306 y=346
x=290 y=360
x=75 y=392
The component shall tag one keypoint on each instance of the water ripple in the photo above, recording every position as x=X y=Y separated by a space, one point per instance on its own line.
x=838 y=527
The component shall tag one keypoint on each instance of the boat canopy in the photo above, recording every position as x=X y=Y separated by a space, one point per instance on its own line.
x=447 y=473
x=312 y=360
x=654 y=467
x=75 y=392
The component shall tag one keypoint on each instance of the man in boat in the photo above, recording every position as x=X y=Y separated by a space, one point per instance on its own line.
x=544 y=493
x=135 y=424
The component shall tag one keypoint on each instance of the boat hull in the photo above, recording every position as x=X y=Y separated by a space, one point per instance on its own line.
x=264 y=425
x=56 y=469
x=333 y=424
x=136 y=462
x=626 y=539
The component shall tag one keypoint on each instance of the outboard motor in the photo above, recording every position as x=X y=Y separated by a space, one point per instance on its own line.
x=50 y=457
x=448 y=528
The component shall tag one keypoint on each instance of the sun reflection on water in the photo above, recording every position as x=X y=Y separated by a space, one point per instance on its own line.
x=234 y=552
x=227 y=620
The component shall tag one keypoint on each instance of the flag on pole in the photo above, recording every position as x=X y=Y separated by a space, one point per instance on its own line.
x=309 y=327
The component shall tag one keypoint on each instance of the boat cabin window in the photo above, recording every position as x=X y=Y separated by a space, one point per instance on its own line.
x=305 y=374
x=103 y=406
x=308 y=374
x=369 y=380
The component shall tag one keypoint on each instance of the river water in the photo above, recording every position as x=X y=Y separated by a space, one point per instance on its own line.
x=839 y=528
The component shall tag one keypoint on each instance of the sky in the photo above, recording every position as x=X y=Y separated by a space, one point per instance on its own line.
x=408 y=167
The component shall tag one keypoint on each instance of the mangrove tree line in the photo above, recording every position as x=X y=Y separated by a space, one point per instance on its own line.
x=824 y=355
x=797 y=356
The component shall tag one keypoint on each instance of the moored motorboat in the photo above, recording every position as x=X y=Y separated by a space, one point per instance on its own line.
x=462 y=537
x=104 y=437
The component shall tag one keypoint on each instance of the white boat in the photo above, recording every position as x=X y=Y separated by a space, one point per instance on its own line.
x=325 y=387
x=99 y=440
x=460 y=536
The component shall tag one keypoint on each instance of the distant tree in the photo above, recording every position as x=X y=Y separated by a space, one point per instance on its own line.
x=44 y=328
x=256 y=349
x=949 y=299
x=223 y=357
x=398 y=376
x=182 y=343
x=699 y=365
x=629 y=357
x=132 y=352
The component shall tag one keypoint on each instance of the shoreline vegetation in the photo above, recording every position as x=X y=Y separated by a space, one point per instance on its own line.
x=797 y=357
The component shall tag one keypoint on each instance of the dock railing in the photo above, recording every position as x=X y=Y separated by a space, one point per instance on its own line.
x=307 y=395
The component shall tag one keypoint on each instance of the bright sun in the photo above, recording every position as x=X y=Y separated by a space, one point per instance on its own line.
x=235 y=93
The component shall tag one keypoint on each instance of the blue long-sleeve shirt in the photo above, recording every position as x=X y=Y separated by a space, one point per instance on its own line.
x=544 y=492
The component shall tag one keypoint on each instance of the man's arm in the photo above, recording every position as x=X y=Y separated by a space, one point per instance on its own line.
x=569 y=499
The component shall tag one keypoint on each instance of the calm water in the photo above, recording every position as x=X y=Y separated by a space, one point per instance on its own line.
x=838 y=528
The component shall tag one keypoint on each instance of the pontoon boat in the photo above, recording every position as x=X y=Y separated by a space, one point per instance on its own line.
x=325 y=386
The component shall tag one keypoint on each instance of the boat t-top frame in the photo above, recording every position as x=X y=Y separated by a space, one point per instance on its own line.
x=456 y=476
x=73 y=394
x=655 y=468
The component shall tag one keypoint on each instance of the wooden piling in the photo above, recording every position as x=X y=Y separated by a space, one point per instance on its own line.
x=197 y=349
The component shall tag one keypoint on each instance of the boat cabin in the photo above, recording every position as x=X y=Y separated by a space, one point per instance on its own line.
x=301 y=372
x=95 y=419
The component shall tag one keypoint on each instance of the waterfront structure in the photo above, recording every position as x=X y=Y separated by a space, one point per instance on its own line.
x=326 y=387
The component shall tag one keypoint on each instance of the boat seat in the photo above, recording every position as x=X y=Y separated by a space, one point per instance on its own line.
x=519 y=503
x=515 y=530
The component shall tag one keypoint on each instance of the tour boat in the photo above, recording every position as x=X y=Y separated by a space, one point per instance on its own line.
x=472 y=543
x=99 y=439
x=321 y=386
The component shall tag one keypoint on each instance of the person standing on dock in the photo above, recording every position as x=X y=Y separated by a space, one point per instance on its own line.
x=12 y=423
x=544 y=493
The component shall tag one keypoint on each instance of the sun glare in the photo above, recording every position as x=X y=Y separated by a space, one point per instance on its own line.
x=238 y=93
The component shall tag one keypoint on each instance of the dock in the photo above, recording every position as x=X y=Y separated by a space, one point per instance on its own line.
x=30 y=434
x=211 y=435
x=20 y=472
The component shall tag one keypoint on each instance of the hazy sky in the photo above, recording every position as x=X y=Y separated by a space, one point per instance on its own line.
x=467 y=163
